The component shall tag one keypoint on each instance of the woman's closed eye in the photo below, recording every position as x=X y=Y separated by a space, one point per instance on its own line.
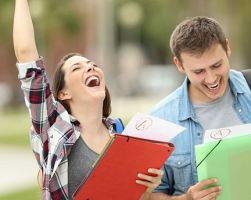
x=93 y=64
x=75 y=68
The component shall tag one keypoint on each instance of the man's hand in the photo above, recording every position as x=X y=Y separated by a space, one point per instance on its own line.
x=197 y=192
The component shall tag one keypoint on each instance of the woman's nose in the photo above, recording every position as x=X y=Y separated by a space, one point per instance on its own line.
x=90 y=68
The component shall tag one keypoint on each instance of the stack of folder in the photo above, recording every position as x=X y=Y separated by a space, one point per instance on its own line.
x=114 y=174
x=229 y=160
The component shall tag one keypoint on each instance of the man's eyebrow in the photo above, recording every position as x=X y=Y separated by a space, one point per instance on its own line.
x=219 y=61
x=212 y=65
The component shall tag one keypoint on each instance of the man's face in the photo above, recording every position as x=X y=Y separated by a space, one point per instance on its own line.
x=208 y=73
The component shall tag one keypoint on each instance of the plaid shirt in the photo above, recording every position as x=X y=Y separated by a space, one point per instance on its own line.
x=53 y=130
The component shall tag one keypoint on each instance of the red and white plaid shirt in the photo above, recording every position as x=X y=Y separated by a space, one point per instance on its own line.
x=53 y=130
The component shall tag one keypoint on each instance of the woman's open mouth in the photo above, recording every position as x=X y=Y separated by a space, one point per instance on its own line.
x=92 y=81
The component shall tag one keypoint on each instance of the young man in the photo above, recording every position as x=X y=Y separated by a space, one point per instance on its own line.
x=212 y=96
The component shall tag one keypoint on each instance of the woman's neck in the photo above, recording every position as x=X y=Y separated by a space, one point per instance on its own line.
x=93 y=131
x=90 y=118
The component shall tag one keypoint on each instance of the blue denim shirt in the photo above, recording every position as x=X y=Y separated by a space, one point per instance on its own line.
x=180 y=168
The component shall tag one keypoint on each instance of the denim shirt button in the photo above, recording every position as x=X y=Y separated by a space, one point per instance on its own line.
x=198 y=134
x=179 y=163
x=239 y=110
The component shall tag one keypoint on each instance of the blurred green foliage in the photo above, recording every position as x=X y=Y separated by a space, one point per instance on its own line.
x=159 y=19
x=49 y=17
x=6 y=18
x=62 y=17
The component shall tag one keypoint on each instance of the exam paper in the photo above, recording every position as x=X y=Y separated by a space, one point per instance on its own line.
x=153 y=128
x=226 y=132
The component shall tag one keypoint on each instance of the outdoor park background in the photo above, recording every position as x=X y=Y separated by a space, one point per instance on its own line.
x=128 y=38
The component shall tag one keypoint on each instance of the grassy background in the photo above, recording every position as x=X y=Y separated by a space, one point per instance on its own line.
x=14 y=128
x=27 y=194
x=14 y=131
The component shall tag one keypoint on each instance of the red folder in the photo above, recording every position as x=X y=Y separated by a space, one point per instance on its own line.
x=115 y=172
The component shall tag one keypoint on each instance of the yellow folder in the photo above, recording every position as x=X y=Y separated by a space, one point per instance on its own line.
x=228 y=160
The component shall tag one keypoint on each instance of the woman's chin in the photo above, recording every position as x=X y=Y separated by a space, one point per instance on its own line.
x=99 y=95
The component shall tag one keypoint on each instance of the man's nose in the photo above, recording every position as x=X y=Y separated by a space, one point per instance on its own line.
x=210 y=77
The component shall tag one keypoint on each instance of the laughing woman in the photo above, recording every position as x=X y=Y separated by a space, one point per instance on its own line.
x=70 y=126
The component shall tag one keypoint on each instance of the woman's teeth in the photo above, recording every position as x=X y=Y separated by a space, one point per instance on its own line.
x=92 y=81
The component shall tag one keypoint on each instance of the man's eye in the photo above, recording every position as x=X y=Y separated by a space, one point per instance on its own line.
x=198 y=72
x=217 y=66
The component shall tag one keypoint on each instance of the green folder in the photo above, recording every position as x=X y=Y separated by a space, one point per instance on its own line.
x=230 y=162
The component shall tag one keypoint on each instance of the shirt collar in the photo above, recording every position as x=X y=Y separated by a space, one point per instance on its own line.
x=237 y=83
x=185 y=104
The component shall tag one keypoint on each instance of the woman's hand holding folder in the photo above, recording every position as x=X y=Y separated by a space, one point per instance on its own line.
x=151 y=181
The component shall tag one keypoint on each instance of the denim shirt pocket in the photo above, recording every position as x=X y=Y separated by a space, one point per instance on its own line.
x=180 y=165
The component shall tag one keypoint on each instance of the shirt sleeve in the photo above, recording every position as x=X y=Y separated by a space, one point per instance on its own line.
x=38 y=95
x=40 y=103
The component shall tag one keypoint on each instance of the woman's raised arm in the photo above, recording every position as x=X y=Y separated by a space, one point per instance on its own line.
x=23 y=33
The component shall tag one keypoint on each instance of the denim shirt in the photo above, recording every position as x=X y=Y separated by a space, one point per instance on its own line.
x=180 y=168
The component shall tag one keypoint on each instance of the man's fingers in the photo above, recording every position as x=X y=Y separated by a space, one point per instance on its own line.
x=211 y=196
x=201 y=185
x=209 y=193
x=199 y=190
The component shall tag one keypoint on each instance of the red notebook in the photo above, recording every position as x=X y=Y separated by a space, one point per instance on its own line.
x=114 y=174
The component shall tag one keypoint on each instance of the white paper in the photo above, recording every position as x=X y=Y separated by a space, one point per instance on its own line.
x=153 y=128
x=227 y=132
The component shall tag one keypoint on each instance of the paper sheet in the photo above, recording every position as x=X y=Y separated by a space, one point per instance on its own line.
x=153 y=128
x=227 y=132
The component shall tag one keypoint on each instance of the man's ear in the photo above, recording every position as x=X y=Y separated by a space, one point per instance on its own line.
x=178 y=64
x=228 y=48
x=63 y=95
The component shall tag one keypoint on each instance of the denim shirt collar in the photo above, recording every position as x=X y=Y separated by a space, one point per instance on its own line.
x=237 y=83
x=187 y=110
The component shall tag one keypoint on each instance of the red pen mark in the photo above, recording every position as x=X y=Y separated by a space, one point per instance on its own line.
x=143 y=124
x=220 y=134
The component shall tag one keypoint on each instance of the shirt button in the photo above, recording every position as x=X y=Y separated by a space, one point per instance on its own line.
x=239 y=110
x=179 y=163
x=198 y=134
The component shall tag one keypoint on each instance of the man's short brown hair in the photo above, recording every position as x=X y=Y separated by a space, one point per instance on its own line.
x=195 y=35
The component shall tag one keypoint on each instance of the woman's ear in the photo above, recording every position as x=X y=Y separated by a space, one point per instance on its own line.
x=63 y=95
